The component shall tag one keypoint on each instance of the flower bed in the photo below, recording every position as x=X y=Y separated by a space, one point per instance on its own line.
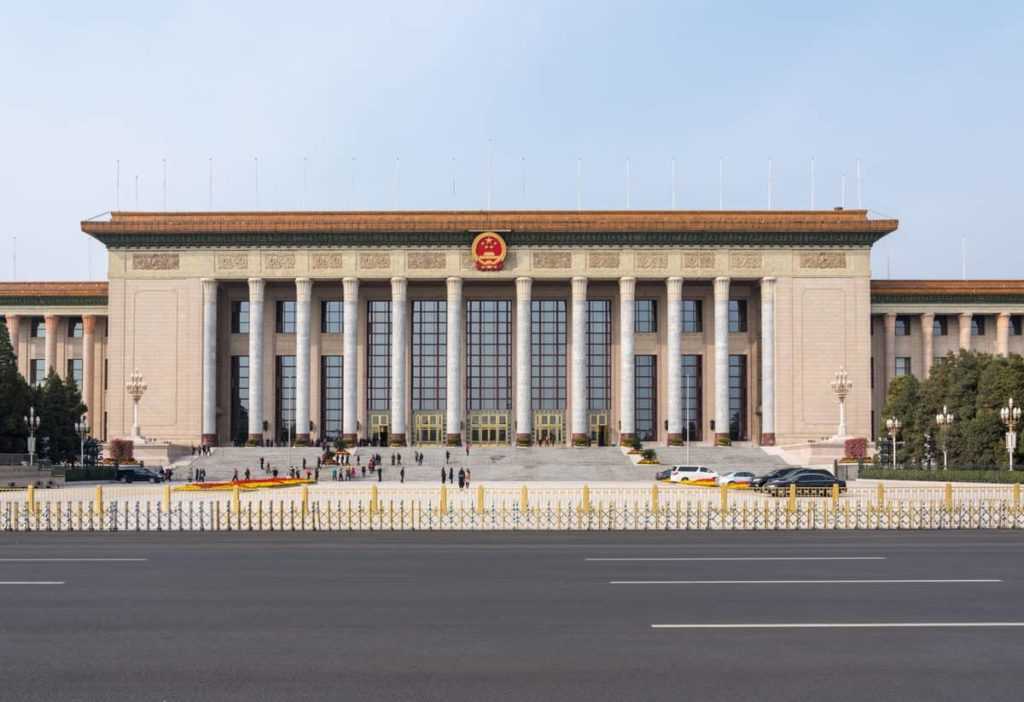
x=254 y=484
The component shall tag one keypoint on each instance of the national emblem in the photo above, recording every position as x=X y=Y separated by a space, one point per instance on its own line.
x=489 y=250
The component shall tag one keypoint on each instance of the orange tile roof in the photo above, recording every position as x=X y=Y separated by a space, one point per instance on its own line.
x=54 y=289
x=947 y=287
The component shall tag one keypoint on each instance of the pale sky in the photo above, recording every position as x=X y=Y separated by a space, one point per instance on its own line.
x=928 y=96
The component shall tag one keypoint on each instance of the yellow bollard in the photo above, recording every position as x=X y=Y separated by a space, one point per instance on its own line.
x=167 y=497
x=791 y=502
x=98 y=504
x=880 y=496
x=1016 y=495
x=835 y=495
x=479 y=499
x=444 y=499
x=586 y=500
x=724 y=495
x=373 y=499
x=236 y=502
x=30 y=499
x=524 y=499
x=305 y=501
x=654 y=498
x=949 y=496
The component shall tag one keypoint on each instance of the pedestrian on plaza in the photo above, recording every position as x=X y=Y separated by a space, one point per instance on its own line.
x=364 y=471
x=467 y=477
x=443 y=475
x=392 y=459
x=334 y=474
x=247 y=474
x=447 y=456
x=399 y=459
x=462 y=478
x=380 y=474
x=467 y=449
x=451 y=474
x=401 y=475
x=234 y=476
x=190 y=474
x=274 y=473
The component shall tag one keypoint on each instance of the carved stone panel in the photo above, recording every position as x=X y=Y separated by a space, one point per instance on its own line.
x=603 y=260
x=326 y=261
x=374 y=261
x=233 y=262
x=156 y=262
x=746 y=260
x=552 y=260
x=823 y=259
x=426 y=261
x=279 y=261
x=699 y=259
x=651 y=261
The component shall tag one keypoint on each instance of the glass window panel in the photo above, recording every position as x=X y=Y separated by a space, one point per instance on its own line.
x=285 y=386
x=331 y=316
x=693 y=316
x=76 y=329
x=645 y=318
x=645 y=397
x=429 y=353
x=240 y=317
x=737 y=397
x=240 y=398
x=692 y=381
x=286 y=316
x=331 y=396
x=737 y=316
x=378 y=333
x=488 y=355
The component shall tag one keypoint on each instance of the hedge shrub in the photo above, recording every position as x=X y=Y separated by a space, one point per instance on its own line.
x=945 y=476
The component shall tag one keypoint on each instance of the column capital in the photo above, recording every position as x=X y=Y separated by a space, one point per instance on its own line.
x=303 y=289
x=88 y=323
x=1004 y=315
x=454 y=285
x=350 y=287
x=722 y=285
x=256 y=288
x=579 y=288
x=524 y=286
x=674 y=288
x=964 y=315
x=627 y=288
x=209 y=286
x=399 y=285
x=928 y=315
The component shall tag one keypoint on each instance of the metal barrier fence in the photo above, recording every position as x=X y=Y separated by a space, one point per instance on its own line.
x=371 y=509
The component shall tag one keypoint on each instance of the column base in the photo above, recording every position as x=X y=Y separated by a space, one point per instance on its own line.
x=675 y=440
x=453 y=440
x=301 y=439
x=524 y=439
x=350 y=440
x=768 y=439
x=209 y=440
x=396 y=440
x=580 y=440
x=722 y=440
x=254 y=440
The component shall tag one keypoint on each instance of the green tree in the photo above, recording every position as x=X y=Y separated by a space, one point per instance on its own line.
x=59 y=406
x=15 y=397
x=903 y=402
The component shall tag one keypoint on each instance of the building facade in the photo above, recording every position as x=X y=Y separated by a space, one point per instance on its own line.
x=496 y=328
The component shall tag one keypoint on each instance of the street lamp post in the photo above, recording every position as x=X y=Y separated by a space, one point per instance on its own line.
x=1010 y=416
x=136 y=387
x=841 y=386
x=32 y=422
x=892 y=424
x=82 y=428
x=945 y=420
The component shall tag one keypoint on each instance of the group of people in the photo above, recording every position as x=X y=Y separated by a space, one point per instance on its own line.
x=202 y=450
x=464 y=476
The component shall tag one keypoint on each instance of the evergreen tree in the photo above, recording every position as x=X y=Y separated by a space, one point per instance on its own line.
x=59 y=406
x=15 y=397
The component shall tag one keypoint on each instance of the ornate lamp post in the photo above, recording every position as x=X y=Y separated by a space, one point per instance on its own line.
x=945 y=420
x=82 y=428
x=135 y=387
x=893 y=425
x=841 y=386
x=32 y=422
x=1010 y=416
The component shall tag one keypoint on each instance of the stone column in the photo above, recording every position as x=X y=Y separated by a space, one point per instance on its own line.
x=580 y=434
x=14 y=331
x=722 y=361
x=350 y=362
x=52 y=326
x=209 y=415
x=303 y=295
x=674 y=360
x=88 y=365
x=627 y=370
x=453 y=366
x=927 y=343
x=398 y=352
x=524 y=409
x=965 y=331
x=890 y=350
x=1003 y=334
x=256 y=288
x=768 y=361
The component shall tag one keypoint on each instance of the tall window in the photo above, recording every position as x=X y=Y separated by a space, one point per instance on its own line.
x=37 y=371
x=240 y=317
x=331 y=312
x=977 y=325
x=76 y=329
x=737 y=316
x=547 y=340
x=902 y=365
x=378 y=355
x=902 y=325
x=599 y=357
x=1017 y=325
x=645 y=318
x=240 y=398
x=693 y=394
x=429 y=354
x=489 y=355
x=286 y=316
x=286 y=399
x=37 y=328
x=645 y=390
x=75 y=372
x=872 y=372
x=738 y=397
x=331 y=402
x=940 y=325
x=693 y=316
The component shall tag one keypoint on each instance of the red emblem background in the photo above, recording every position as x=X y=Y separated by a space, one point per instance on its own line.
x=489 y=251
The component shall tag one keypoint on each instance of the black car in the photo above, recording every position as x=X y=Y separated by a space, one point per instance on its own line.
x=138 y=475
x=759 y=481
x=808 y=482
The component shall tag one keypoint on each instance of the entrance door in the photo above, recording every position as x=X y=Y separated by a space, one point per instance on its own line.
x=548 y=428
x=489 y=428
x=598 y=428
x=428 y=428
x=380 y=425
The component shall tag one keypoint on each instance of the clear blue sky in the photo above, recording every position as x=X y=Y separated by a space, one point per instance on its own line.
x=927 y=95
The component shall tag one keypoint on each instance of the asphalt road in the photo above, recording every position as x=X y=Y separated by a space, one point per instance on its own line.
x=448 y=616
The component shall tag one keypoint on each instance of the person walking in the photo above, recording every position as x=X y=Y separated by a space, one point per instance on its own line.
x=447 y=456
x=462 y=478
x=234 y=476
x=451 y=475
x=380 y=473
x=401 y=475
x=467 y=478
x=247 y=474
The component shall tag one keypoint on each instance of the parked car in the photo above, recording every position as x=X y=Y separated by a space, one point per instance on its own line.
x=815 y=482
x=759 y=481
x=682 y=474
x=736 y=477
x=138 y=475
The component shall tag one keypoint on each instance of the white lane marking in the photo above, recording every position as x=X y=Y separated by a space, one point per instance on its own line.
x=69 y=560
x=843 y=625
x=748 y=558
x=796 y=582
x=31 y=582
